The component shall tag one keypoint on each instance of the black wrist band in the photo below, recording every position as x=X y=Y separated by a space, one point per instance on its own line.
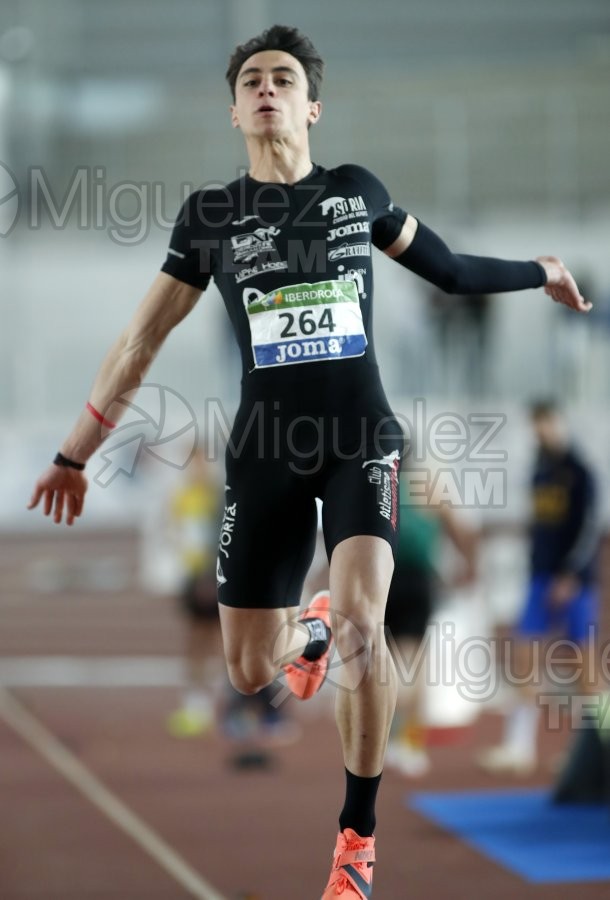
x=61 y=460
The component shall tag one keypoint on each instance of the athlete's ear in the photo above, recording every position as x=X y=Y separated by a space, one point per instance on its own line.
x=234 y=118
x=315 y=111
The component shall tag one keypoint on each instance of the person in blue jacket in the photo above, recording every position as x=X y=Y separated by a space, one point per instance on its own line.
x=562 y=595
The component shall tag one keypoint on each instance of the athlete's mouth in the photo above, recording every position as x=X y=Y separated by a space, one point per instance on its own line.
x=266 y=109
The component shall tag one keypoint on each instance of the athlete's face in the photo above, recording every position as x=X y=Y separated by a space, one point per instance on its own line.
x=271 y=97
x=550 y=432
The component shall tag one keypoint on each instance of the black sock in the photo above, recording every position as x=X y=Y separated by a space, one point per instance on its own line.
x=359 y=809
x=319 y=639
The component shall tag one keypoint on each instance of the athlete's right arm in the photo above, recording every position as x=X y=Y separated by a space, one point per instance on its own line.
x=165 y=304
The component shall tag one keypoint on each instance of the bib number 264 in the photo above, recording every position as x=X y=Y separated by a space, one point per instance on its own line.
x=306 y=323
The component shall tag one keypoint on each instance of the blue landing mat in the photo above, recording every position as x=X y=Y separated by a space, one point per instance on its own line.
x=524 y=832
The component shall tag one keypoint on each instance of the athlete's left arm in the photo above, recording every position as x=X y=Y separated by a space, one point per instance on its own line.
x=422 y=251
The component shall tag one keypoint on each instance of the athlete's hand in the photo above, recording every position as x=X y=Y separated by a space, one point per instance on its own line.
x=63 y=490
x=560 y=284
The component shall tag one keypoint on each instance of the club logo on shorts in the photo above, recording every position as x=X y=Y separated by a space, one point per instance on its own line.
x=386 y=481
x=226 y=537
x=390 y=460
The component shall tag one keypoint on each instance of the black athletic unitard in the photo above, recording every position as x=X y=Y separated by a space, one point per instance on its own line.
x=293 y=264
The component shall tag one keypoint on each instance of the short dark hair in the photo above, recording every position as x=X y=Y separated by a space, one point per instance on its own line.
x=543 y=408
x=290 y=40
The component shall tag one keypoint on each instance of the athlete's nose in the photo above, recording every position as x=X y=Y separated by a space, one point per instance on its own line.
x=266 y=88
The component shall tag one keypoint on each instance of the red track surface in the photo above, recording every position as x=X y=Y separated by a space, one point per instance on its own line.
x=264 y=835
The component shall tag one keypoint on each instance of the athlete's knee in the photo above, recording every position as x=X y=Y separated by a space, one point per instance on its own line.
x=250 y=676
x=359 y=631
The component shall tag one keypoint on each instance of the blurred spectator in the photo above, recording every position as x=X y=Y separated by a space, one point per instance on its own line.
x=460 y=327
x=562 y=597
x=247 y=721
x=258 y=721
x=194 y=524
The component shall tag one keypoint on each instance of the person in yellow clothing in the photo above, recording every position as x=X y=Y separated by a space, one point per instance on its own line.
x=248 y=722
x=194 y=526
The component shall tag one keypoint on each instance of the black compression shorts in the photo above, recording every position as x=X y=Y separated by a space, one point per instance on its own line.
x=346 y=451
x=268 y=533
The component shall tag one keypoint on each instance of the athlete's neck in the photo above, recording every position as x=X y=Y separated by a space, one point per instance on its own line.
x=278 y=161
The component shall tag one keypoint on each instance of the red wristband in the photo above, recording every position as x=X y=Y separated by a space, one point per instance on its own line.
x=100 y=418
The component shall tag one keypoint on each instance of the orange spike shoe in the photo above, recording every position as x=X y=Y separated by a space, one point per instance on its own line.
x=305 y=677
x=351 y=876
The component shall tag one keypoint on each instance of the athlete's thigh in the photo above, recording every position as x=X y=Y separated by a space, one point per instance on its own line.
x=361 y=497
x=252 y=633
x=267 y=537
x=360 y=574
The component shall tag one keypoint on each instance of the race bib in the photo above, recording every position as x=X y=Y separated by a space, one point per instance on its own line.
x=304 y=323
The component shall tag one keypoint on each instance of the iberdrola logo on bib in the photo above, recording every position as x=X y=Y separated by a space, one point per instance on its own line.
x=302 y=323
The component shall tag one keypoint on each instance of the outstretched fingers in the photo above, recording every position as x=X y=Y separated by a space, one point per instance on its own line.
x=60 y=497
x=35 y=498
x=566 y=292
x=74 y=505
x=46 y=495
x=561 y=286
x=48 y=501
x=62 y=493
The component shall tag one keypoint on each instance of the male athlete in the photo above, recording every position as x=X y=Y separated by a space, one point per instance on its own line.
x=289 y=246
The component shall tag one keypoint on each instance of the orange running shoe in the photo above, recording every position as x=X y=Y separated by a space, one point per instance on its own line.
x=351 y=876
x=305 y=677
